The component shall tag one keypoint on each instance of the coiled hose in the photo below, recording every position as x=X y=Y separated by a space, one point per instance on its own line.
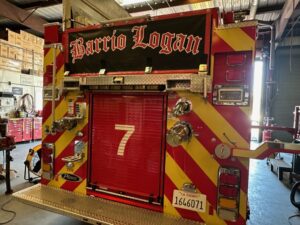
x=295 y=187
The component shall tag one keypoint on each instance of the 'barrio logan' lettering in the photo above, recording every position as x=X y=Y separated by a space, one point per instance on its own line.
x=166 y=43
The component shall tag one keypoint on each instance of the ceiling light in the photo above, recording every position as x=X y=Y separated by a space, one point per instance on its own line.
x=130 y=2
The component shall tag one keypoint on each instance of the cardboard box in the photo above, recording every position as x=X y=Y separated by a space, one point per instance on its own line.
x=10 y=64
x=11 y=37
x=15 y=53
x=18 y=40
x=3 y=50
x=19 y=54
x=11 y=52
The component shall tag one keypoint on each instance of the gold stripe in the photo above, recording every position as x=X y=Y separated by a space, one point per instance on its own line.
x=236 y=38
x=218 y=125
x=250 y=154
x=65 y=139
x=246 y=110
x=48 y=58
x=81 y=188
x=58 y=181
x=207 y=163
x=169 y=209
x=178 y=177
x=215 y=121
x=212 y=63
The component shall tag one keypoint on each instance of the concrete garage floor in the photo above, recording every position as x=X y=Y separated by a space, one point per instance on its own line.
x=268 y=197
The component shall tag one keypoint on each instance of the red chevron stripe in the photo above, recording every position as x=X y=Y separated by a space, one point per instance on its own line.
x=81 y=172
x=169 y=187
x=219 y=45
x=47 y=109
x=210 y=141
x=68 y=151
x=197 y=176
x=46 y=50
x=194 y=172
x=251 y=31
x=238 y=119
x=59 y=61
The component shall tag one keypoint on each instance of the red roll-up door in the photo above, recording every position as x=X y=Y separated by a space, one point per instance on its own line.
x=127 y=143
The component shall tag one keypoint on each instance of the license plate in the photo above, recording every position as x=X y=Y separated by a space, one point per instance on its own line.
x=188 y=200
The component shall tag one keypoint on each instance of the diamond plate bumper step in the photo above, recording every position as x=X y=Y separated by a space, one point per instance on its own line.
x=93 y=210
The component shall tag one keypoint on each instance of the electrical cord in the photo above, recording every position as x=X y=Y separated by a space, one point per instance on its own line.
x=9 y=211
x=293 y=216
x=27 y=103
x=293 y=193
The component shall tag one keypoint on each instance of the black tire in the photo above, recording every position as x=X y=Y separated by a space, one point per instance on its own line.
x=295 y=187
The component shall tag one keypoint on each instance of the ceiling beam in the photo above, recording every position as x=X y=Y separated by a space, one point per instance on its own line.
x=22 y=16
x=139 y=7
x=269 y=8
x=287 y=12
x=38 y=4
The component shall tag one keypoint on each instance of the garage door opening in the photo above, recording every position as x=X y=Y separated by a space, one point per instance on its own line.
x=256 y=116
x=127 y=145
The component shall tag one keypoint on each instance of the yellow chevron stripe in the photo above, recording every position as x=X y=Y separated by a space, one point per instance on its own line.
x=178 y=177
x=60 y=110
x=60 y=75
x=243 y=204
x=169 y=209
x=81 y=188
x=215 y=121
x=246 y=110
x=58 y=181
x=48 y=58
x=65 y=139
x=212 y=63
x=199 y=153
x=236 y=38
x=251 y=154
x=206 y=162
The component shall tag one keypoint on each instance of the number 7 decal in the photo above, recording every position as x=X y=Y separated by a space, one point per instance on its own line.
x=130 y=130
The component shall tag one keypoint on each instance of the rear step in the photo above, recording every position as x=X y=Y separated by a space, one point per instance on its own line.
x=93 y=210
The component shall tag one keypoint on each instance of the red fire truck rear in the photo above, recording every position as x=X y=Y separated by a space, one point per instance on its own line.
x=146 y=121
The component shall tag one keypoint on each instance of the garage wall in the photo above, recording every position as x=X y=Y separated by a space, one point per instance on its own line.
x=26 y=83
x=288 y=95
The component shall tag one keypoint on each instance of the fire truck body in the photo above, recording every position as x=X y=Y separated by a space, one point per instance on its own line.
x=143 y=121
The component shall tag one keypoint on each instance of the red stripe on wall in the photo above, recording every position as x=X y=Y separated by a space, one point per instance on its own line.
x=169 y=187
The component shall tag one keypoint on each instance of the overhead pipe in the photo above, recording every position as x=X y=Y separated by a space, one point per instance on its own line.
x=272 y=44
x=253 y=10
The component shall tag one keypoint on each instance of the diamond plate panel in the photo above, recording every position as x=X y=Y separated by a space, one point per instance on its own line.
x=94 y=210
x=196 y=81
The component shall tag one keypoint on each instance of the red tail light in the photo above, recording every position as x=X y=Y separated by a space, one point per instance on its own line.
x=228 y=193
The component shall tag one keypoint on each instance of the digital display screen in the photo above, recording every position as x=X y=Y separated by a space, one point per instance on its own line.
x=230 y=95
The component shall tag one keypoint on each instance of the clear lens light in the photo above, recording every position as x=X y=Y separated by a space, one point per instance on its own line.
x=130 y=2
